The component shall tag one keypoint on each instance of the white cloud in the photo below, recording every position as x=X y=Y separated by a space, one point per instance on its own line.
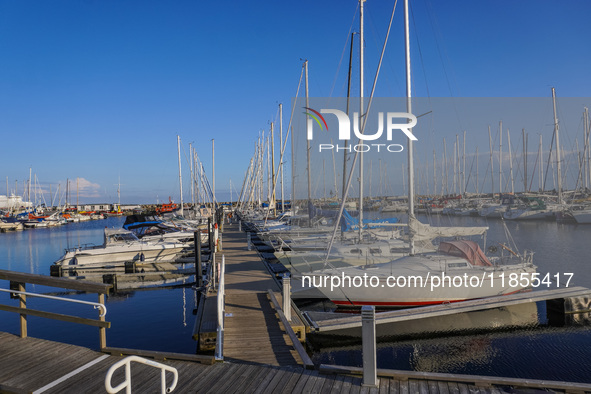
x=85 y=188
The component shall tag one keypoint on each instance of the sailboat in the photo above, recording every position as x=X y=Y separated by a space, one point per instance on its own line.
x=457 y=271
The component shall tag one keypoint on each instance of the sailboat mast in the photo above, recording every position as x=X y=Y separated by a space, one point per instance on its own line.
x=293 y=190
x=523 y=135
x=273 y=167
x=464 y=164
x=434 y=173
x=411 y=205
x=540 y=174
x=446 y=181
x=456 y=166
x=510 y=162
x=476 y=169
x=361 y=60
x=29 y=186
x=500 y=158
x=214 y=202
x=281 y=156
x=348 y=99
x=588 y=159
x=492 y=170
x=178 y=140
x=558 y=164
x=307 y=140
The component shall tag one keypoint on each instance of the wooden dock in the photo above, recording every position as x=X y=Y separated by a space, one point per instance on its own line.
x=253 y=332
x=31 y=365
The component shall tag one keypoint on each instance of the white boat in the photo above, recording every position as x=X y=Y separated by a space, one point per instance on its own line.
x=458 y=271
x=120 y=246
x=535 y=209
x=497 y=210
x=11 y=226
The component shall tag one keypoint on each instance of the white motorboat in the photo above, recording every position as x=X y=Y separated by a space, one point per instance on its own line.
x=120 y=246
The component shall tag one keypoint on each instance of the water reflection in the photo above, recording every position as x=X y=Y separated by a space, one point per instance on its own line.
x=516 y=341
x=153 y=320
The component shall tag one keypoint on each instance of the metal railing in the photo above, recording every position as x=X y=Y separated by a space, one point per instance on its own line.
x=126 y=384
x=221 y=304
x=18 y=281
x=96 y=305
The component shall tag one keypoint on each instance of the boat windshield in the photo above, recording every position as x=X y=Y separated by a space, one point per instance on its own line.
x=122 y=237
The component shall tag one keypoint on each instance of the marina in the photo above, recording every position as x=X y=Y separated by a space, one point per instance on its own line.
x=246 y=292
x=380 y=235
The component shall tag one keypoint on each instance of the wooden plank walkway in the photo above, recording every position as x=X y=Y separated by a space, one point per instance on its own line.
x=253 y=332
x=30 y=364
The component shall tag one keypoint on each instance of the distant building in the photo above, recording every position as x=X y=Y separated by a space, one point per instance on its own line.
x=106 y=207
x=101 y=207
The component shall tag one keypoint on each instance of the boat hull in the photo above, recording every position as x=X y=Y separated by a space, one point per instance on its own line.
x=423 y=289
x=101 y=256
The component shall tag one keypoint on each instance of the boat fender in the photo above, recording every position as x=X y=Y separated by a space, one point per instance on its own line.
x=142 y=257
x=492 y=249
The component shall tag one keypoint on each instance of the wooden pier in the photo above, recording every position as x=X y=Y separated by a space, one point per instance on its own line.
x=31 y=365
x=253 y=332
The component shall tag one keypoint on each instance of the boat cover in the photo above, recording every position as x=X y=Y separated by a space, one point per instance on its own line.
x=468 y=250
x=423 y=234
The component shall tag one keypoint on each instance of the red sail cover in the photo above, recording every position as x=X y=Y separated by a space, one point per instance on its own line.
x=468 y=250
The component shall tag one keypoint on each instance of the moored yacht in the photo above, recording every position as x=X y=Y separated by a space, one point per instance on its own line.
x=120 y=246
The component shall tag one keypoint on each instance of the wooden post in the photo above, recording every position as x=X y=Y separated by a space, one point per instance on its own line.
x=23 y=304
x=287 y=297
x=102 y=330
x=198 y=266
x=368 y=346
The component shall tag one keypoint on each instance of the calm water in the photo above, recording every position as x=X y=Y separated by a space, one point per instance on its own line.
x=145 y=319
x=522 y=343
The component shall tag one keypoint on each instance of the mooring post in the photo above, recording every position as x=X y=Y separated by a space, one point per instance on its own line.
x=198 y=266
x=239 y=225
x=102 y=330
x=248 y=240
x=287 y=296
x=368 y=346
x=22 y=303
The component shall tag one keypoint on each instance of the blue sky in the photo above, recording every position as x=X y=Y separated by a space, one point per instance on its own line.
x=98 y=90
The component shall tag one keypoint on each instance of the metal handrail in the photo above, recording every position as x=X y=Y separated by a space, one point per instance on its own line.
x=219 y=350
x=127 y=382
x=96 y=305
